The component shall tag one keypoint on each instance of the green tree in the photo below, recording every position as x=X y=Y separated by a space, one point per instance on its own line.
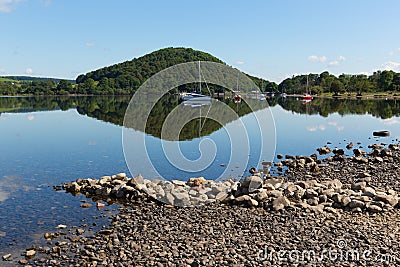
x=64 y=85
x=361 y=83
x=325 y=80
x=345 y=80
x=337 y=87
x=396 y=82
x=385 y=80
x=271 y=87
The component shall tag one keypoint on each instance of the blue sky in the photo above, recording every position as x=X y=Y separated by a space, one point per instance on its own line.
x=270 y=39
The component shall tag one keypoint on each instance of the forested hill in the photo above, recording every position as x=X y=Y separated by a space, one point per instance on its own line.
x=126 y=77
x=119 y=79
x=142 y=68
x=30 y=79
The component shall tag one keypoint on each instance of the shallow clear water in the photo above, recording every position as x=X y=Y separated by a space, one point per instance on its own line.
x=47 y=141
x=42 y=149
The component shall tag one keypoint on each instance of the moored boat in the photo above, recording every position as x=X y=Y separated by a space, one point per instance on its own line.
x=307 y=95
x=237 y=98
x=196 y=96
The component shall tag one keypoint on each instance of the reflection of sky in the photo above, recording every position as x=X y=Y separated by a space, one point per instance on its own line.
x=42 y=149
x=48 y=140
x=302 y=134
x=59 y=139
x=189 y=150
x=237 y=145
x=391 y=121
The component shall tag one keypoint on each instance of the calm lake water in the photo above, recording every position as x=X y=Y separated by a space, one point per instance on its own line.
x=45 y=141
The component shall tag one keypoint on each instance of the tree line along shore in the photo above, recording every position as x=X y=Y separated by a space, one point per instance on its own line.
x=126 y=77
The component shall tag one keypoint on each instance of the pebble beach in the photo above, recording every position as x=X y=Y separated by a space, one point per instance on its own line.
x=339 y=207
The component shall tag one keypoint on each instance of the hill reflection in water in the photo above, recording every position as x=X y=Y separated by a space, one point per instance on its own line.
x=112 y=109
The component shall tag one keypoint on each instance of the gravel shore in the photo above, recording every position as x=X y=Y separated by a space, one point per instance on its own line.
x=317 y=228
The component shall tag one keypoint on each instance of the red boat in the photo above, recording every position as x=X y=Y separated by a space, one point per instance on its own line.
x=307 y=95
x=237 y=98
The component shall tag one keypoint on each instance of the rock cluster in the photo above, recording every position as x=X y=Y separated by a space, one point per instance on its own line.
x=194 y=192
x=270 y=193
x=328 y=195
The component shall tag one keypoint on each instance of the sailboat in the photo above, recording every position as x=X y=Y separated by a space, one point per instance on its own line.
x=307 y=95
x=197 y=98
x=237 y=98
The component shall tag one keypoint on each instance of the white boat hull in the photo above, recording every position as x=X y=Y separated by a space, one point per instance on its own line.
x=196 y=98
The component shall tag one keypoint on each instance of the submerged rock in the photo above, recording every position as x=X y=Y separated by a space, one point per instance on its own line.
x=349 y=146
x=7 y=257
x=86 y=205
x=30 y=253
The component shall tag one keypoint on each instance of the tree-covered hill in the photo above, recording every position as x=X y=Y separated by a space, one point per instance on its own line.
x=144 y=67
x=126 y=77
x=119 y=79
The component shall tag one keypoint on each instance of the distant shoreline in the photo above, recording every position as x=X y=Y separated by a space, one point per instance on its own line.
x=366 y=96
x=344 y=96
x=351 y=96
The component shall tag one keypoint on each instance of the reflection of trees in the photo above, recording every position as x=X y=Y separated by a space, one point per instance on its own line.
x=112 y=109
x=137 y=116
x=38 y=103
x=324 y=106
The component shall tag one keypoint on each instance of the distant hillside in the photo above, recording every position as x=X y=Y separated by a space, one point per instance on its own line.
x=126 y=77
x=26 y=85
x=30 y=79
x=119 y=79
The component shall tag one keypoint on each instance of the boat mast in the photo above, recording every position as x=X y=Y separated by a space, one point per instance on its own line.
x=237 y=83
x=200 y=106
x=307 y=85
x=262 y=84
x=199 y=78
